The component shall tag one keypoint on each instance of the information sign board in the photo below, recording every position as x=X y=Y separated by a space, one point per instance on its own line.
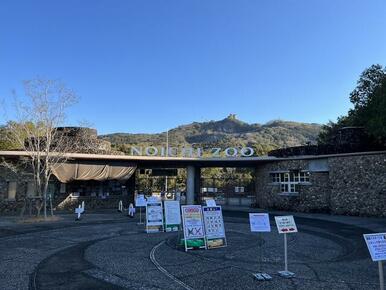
x=154 y=217
x=376 y=243
x=259 y=222
x=140 y=201
x=214 y=226
x=210 y=202
x=172 y=215
x=192 y=224
x=286 y=224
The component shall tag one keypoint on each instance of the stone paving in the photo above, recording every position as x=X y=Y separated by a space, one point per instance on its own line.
x=110 y=251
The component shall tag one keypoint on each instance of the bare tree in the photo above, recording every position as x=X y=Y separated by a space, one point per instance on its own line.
x=36 y=130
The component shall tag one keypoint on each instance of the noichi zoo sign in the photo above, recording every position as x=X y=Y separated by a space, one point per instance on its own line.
x=192 y=152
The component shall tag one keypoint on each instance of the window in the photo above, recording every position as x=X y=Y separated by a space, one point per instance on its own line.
x=290 y=181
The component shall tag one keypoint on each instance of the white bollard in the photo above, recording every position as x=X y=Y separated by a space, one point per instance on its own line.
x=78 y=211
x=131 y=210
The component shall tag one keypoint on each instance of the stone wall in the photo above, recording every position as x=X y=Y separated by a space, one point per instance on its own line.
x=8 y=206
x=352 y=185
x=358 y=185
x=312 y=197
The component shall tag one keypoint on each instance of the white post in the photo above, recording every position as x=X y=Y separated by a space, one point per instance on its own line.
x=79 y=212
x=381 y=278
x=83 y=205
x=285 y=253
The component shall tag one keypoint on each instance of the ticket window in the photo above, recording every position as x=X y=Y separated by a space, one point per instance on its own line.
x=12 y=190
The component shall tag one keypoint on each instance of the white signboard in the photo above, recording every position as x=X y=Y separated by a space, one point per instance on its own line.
x=259 y=222
x=286 y=224
x=210 y=202
x=172 y=215
x=214 y=224
x=376 y=243
x=140 y=200
x=192 y=221
x=154 y=216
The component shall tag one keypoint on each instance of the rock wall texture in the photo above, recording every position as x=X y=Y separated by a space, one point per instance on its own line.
x=352 y=185
x=312 y=197
x=358 y=185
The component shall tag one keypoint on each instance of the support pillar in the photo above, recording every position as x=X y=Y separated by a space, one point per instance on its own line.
x=130 y=187
x=190 y=182
x=197 y=185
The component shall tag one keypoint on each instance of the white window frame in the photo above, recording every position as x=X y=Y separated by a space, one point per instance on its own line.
x=289 y=181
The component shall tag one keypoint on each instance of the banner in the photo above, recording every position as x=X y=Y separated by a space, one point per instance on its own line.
x=214 y=226
x=192 y=223
x=154 y=217
x=172 y=215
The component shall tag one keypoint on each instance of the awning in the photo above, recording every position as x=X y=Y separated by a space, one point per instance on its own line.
x=70 y=171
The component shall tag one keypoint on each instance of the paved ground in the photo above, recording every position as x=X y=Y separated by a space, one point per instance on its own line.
x=110 y=251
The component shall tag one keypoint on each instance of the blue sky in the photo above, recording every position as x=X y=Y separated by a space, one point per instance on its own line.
x=149 y=65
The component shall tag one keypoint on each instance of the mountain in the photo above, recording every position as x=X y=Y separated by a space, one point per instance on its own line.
x=229 y=132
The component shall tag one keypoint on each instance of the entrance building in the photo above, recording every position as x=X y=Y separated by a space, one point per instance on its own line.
x=351 y=183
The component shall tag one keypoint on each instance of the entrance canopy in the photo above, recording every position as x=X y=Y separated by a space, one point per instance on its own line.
x=91 y=170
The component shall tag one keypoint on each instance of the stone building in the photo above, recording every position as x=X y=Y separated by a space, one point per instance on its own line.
x=349 y=183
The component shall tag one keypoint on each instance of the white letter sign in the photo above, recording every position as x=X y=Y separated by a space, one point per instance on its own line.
x=286 y=224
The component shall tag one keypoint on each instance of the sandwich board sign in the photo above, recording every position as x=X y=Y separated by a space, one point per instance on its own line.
x=193 y=226
x=286 y=225
x=259 y=222
x=154 y=217
x=376 y=243
x=214 y=227
x=172 y=215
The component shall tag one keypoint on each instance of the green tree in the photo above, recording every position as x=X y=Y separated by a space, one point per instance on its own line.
x=369 y=100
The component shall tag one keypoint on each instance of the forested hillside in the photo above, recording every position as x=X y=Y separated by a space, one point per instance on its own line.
x=225 y=133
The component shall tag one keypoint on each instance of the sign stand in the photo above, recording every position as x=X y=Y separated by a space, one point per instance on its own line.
x=214 y=227
x=286 y=224
x=193 y=226
x=286 y=273
x=259 y=222
x=376 y=244
x=172 y=215
x=140 y=202
x=381 y=279
x=140 y=216
x=154 y=217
